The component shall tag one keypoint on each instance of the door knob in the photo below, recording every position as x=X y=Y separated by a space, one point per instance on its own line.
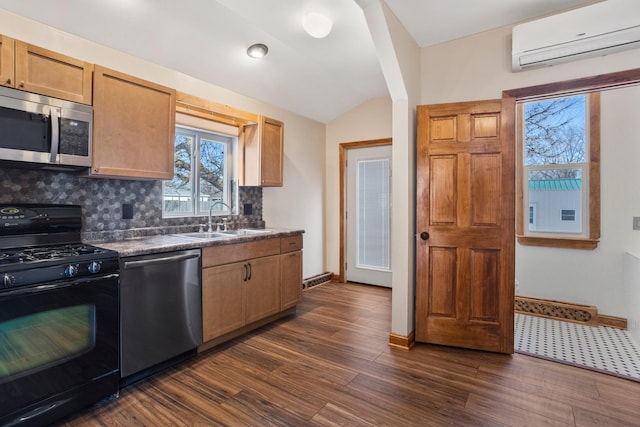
x=424 y=235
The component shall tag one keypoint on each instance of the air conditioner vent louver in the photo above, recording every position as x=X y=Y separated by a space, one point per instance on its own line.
x=598 y=29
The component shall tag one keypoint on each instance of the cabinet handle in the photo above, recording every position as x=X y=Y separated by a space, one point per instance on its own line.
x=22 y=83
x=9 y=81
x=246 y=271
x=250 y=270
x=55 y=135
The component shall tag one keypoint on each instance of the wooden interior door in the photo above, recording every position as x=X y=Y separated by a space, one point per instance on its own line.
x=465 y=239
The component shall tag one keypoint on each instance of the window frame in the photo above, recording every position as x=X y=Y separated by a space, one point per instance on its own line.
x=591 y=213
x=229 y=176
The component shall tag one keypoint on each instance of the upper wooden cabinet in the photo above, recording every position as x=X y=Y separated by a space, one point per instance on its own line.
x=7 y=55
x=34 y=69
x=133 y=127
x=263 y=146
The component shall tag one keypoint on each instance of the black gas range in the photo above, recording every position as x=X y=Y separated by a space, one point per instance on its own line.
x=41 y=243
x=59 y=322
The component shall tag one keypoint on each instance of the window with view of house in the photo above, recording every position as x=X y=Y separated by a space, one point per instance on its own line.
x=559 y=150
x=203 y=174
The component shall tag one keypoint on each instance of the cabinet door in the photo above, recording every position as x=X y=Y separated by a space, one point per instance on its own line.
x=263 y=146
x=263 y=288
x=133 y=127
x=49 y=73
x=7 y=48
x=272 y=152
x=223 y=299
x=291 y=279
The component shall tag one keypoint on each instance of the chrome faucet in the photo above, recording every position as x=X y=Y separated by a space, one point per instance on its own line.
x=218 y=202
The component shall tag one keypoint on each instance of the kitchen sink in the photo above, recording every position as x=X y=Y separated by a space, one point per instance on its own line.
x=203 y=235
x=244 y=232
x=220 y=234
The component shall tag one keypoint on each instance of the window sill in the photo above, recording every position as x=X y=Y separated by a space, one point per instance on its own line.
x=586 y=244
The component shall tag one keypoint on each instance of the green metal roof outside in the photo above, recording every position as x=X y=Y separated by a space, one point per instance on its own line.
x=555 y=184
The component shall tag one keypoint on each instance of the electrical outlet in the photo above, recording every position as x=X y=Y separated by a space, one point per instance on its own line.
x=248 y=209
x=636 y=222
x=127 y=211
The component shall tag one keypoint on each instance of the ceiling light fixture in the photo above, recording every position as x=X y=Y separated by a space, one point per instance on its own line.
x=257 y=50
x=316 y=24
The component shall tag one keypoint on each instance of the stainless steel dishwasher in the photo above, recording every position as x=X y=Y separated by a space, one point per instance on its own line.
x=160 y=311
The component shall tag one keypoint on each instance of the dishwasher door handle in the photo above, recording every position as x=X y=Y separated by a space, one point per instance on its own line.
x=161 y=260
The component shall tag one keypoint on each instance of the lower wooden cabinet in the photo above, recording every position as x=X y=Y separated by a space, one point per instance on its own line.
x=262 y=288
x=244 y=283
x=290 y=279
x=223 y=296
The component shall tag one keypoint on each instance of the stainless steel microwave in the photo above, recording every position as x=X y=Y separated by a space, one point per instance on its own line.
x=42 y=130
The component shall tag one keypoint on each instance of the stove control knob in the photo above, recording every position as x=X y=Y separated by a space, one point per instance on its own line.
x=94 y=267
x=8 y=280
x=71 y=270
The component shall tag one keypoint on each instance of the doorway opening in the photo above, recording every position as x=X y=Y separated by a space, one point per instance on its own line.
x=365 y=224
x=600 y=272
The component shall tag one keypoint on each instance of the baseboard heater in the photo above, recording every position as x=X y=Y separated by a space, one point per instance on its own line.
x=317 y=280
x=578 y=313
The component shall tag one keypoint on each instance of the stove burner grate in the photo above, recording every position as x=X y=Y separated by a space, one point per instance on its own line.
x=62 y=252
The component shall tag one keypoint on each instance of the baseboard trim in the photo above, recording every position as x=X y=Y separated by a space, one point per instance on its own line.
x=612 y=321
x=401 y=341
x=569 y=312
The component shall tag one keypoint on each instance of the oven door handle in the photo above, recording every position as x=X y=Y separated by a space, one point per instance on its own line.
x=159 y=260
x=56 y=285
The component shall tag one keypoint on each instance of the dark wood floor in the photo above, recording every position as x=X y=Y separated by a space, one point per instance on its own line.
x=330 y=365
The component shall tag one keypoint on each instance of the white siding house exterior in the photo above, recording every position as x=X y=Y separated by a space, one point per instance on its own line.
x=555 y=205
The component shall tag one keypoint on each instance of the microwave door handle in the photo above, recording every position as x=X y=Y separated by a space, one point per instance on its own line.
x=55 y=135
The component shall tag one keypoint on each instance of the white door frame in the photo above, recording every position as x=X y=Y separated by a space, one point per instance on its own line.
x=343 y=147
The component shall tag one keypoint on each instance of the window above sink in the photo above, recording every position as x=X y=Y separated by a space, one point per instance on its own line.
x=204 y=175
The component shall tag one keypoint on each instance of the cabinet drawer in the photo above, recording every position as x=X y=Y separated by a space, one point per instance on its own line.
x=225 y=254
x=290 y=244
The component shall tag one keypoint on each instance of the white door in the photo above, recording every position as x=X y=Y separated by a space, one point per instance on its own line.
x=368 y=215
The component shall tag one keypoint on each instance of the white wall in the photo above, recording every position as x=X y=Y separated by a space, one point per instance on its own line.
x=620 y=111
x=369 y=121
x=632 y=293
x=478 y=67
x=304 y=138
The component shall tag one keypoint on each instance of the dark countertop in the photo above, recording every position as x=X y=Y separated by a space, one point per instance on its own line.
x=176 y=242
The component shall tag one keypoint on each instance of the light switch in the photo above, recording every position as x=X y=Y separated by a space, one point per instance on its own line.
x=636 y=222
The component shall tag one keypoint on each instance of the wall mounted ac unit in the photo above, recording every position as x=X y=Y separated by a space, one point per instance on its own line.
x=597 y=29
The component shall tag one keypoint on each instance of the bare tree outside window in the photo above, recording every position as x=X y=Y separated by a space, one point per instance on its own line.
x=212 y=162
x=554 y=134
x=201 y=174
x=177 y=192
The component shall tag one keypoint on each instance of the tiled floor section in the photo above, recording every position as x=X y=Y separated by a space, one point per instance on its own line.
x=609 y=350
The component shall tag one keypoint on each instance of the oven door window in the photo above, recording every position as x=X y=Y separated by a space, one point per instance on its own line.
x=56 y=338
x=42 y=340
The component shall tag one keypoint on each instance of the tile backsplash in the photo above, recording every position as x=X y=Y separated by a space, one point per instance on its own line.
x=101 y=200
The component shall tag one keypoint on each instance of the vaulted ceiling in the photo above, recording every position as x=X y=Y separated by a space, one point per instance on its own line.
x=317 y=78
